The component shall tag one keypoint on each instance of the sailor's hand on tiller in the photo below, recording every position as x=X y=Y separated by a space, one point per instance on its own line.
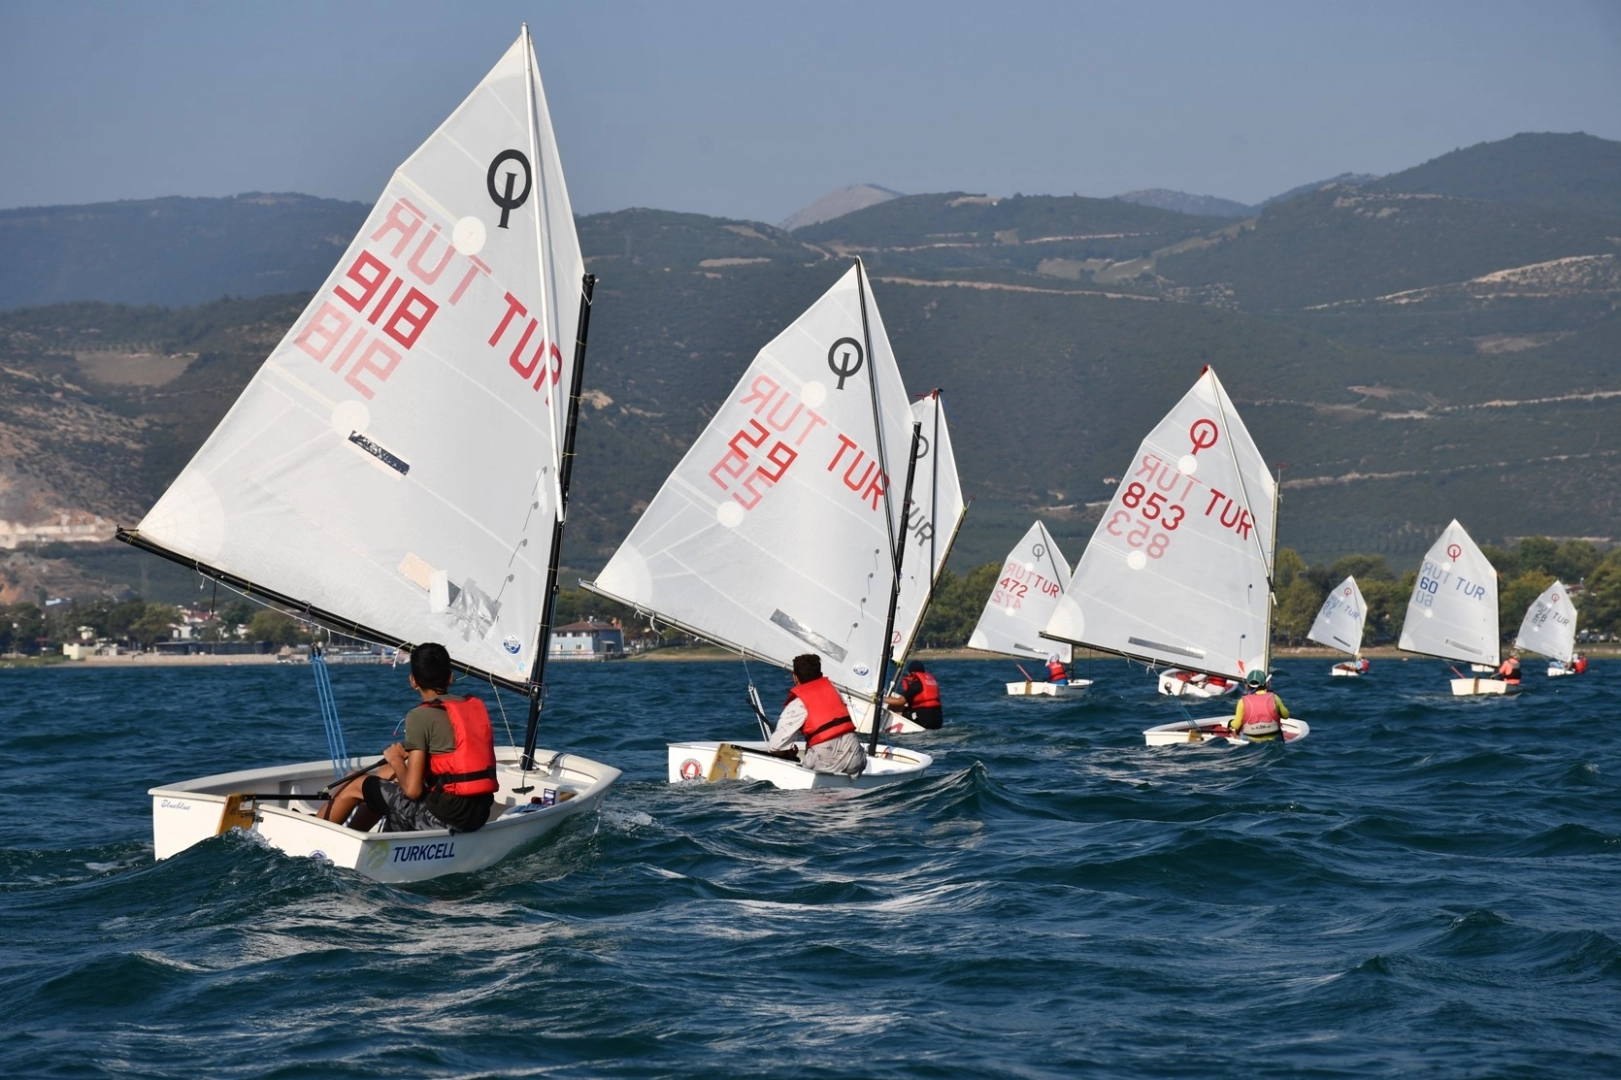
x=395 y=756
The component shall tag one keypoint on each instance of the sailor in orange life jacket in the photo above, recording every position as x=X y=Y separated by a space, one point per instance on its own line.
x=815 y=709
x=442 y=775
x=1055 y=671
x=1509 y=672
x=919 y=699
x=1259 y=711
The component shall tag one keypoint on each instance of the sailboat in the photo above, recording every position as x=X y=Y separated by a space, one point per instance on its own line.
x=1339 y=625
x=779 y=532
x=1179 y=571
x=1549 y=629
x=938 y=509
x=1452 y=613
x=1034 y=578
x=398 y=469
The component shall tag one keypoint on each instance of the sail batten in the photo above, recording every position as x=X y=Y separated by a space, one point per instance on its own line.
x=1033 y=579
x=1452 y=613
x=1340 y=620
x=773 y=532
x=376 y=463
x=1549 y=626
x=1178 y=572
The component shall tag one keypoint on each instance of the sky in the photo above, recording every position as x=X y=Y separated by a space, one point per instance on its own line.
x=753 y=110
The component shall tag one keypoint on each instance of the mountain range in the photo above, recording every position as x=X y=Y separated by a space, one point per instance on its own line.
x=1437 y=343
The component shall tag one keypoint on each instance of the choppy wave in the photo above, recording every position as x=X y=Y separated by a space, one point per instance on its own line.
x=1425 y=886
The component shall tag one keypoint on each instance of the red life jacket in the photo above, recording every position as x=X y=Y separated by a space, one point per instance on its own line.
x=929 y=696
x=470 y=768
x=826 y=715
x=1579 y=665
x=1056 y=672
x=1261 y=714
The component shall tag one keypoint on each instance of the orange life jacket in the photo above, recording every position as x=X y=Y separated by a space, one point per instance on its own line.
x=1056 y=672
x=470 y=768
x=826 y=715
x=1579 y=665
x=928 y=696
x=1510 y=671
x=1261 y=714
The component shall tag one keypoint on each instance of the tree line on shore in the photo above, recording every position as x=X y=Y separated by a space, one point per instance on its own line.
x=1523 y=572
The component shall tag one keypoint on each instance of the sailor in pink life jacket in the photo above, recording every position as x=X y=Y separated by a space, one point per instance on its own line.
x=1259 y=711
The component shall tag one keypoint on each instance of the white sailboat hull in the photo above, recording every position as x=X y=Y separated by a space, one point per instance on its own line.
x=1076 y=689
x=696 y=760
x=1556 y=669
x=894 y=724
x=1345 y=671
x=188 y=813
x=1474 y=687
x=1174 y=686
x=1184 y=732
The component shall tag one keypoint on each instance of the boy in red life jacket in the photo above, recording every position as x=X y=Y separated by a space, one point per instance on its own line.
x=442 y=775
x=1055 y=671
x=1260 y=712
x=919 y=699
x=815 y=710
x=1578 y=664
x=1509 y=671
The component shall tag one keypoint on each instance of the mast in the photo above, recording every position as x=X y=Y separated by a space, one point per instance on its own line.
x=1271 y=593
x=894 y=598
x=878 y=424
x=536 y=688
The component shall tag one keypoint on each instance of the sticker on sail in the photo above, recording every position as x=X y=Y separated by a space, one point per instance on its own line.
x=512 y=645
x=861 y=670
x=822 y=644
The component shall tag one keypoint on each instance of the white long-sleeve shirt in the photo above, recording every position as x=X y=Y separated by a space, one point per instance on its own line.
x=840 y=754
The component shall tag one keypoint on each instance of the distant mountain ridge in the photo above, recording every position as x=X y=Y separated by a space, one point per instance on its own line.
x=1412 y=355
x=1183 y=203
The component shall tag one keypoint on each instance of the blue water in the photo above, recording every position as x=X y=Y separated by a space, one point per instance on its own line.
x=1426 y=886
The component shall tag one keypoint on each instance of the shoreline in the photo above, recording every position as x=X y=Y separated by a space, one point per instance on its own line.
x=704 y=653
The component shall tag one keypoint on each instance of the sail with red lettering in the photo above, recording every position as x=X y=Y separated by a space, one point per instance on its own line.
x=1452 y=613
x=937 y=511
x=1549 y=626
x=1179 y=570
x=1033 y=579
x=773 y=536
x=394 y=464
x=1340 y=620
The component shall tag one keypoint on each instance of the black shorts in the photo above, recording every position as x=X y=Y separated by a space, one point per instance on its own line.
x=399 y=813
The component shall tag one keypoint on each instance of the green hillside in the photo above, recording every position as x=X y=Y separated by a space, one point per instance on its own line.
x=1577 y=173
x=1352 y=244
x=1410 y=356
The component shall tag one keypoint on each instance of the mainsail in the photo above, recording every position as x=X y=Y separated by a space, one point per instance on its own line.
x=394 y=464
x=1179 y=571
x=1549 y=626
x=1339 y=623
x=937 y=511
x=1034 y=578
x=1453 y=610
x=775 y=534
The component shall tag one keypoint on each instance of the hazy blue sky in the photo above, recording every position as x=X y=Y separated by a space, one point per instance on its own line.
x=755 y=109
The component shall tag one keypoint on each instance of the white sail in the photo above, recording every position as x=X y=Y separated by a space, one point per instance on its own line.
x=1549 y=626
x=1034 y=578
x=1339 y=623
x=394 y=461
x=1179 y=570
x=773 y=534
x=1453 y=610
x=937 y=509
